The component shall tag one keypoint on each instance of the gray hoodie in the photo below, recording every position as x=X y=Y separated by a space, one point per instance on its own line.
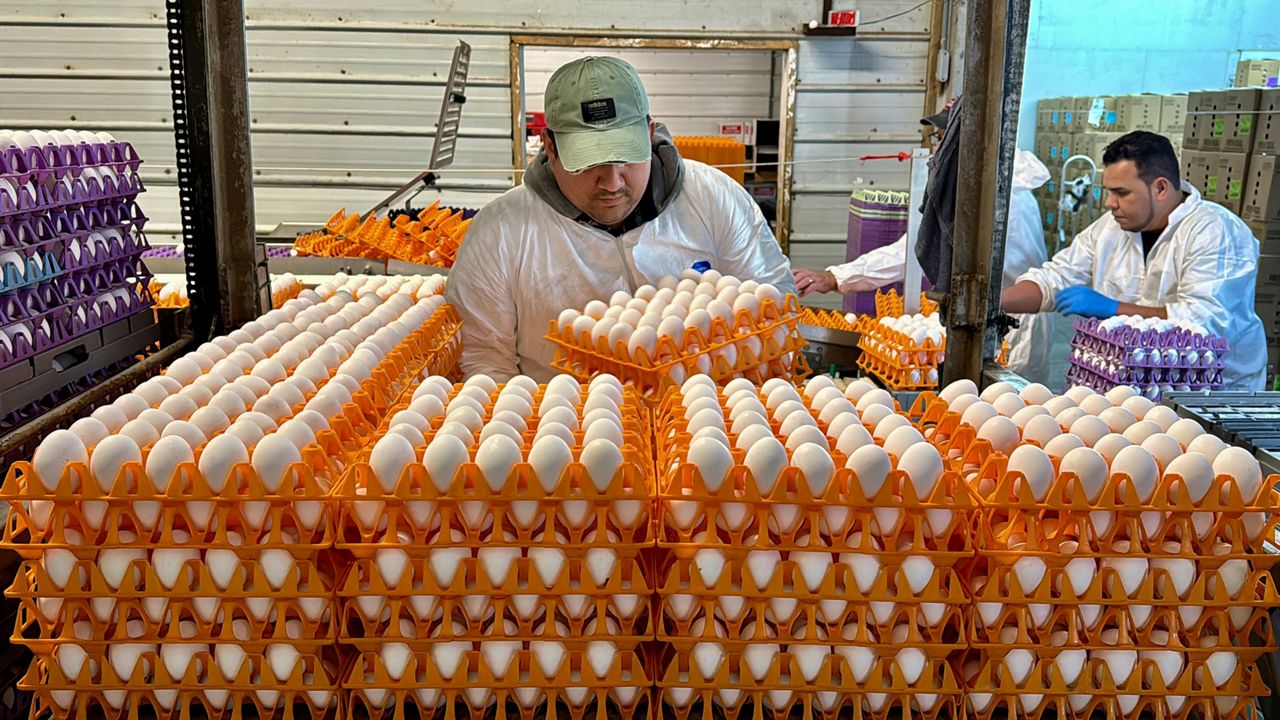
x=665 y=182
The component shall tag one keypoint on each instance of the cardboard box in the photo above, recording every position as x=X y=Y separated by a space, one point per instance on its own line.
x=1095 y=144
x=1230 y=128
x=1268 y=234
x=1044 y=114
x=1173 y=114
x=1225 y=184
x=1257 y=73
x=1045 y=139
x=1262 y=190
x=1093 y=113
x=1200 y=106
x=1138 y=112
x=1269 y=272
x=1266 y=125
x=1059 y=108
x=1197 y=165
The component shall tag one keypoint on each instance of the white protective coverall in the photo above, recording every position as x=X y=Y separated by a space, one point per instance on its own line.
x=1024 y=249
x=1202 y=269
x=522 y=263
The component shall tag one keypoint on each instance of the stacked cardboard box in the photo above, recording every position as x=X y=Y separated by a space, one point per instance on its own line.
x=1257 y=73
x=1086 y=126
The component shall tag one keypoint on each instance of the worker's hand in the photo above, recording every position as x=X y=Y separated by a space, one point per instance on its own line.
x=811 y=281
x=1086 y=302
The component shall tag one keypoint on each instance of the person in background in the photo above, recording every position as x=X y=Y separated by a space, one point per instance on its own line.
x=1163 y=251
x=608 y=205
x=1024 y=248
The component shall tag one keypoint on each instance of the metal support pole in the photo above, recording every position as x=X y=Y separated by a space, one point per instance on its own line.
x=232 y=162
x=994 y=53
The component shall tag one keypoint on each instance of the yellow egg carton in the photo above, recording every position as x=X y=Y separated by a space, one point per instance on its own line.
x=737 y=347
x=1128 y=687
x=575 y=684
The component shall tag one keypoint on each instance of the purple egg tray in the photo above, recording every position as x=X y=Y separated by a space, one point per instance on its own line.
x=1090 y=334
x=163 y=251
x=37 y=319
x=38 y=199
x=175 y=251
x=1152 y=361
x=42 y=164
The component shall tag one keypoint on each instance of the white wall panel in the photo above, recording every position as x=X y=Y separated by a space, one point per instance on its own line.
x=856 y=97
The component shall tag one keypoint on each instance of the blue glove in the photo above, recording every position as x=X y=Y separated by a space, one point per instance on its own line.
x=1085 y=301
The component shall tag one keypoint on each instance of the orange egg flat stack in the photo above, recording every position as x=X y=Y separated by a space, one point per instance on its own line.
x=500 y=536
x=723 y=153
x=176 y=542
x=1122 y=556
x=698 y=323
x=433 y=238
x=808 y=544
x=902 y=351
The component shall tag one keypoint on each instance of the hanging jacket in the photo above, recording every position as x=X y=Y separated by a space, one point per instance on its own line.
x=1202 y=269
x=527 y=257
x=1024 y=249
x=938 y=210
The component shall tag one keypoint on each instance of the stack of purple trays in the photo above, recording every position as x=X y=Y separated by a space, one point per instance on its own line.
x=1150 y=361
x=176 y=251
x=876 y=218
x=71 y=244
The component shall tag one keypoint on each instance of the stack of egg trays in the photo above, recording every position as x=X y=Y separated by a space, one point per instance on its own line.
x=725 y=615
x=274 y=609
x=270 y=618
x=1145 y=358
x=69 y=225
x=777 y=337
x=1061 y=598
x=898 y=362
x=454 y=601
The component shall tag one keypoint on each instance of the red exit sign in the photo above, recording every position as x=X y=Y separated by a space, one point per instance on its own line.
x=843 y=18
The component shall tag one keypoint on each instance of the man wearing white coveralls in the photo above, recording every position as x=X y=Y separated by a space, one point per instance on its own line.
x=608 y=205
x=1162 y=251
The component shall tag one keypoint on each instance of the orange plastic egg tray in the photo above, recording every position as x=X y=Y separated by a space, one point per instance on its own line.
x=672 y=363
x=432 y=238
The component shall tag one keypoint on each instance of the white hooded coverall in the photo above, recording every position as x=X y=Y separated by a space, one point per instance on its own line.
x=522 y=263
x=1024 y=249
x=1202 y=269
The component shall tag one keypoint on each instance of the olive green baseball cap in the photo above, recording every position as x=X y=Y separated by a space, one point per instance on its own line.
x=599 y=113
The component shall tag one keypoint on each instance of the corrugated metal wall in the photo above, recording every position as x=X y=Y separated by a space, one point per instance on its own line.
x=855 y=97
x=344 y=98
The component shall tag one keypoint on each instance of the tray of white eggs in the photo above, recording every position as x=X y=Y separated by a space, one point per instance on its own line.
x=696 y=323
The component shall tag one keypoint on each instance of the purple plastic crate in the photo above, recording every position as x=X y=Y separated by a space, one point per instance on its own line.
x=51 y=162
x=876 y=218
x=1150 y=360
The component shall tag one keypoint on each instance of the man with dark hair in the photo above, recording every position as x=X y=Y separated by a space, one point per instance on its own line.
x=608 y=205
x=1163 y=251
